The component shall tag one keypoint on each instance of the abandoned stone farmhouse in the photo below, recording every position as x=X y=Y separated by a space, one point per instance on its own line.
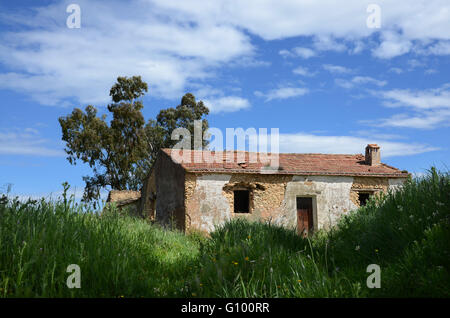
x=306 y=191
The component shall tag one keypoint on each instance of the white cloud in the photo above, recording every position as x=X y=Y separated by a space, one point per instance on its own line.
x=344 y=83
x=303 y=71
x=426 y=120
x=219 y=102
x=310 y=143
x=285 y=53
x=439 y=48
x=319 y=43
x=172 y=43
x=327 y=43
x=358 y=47
x=281 y=19
x=336 y=69
x=282 y=93
x=430 y=71
x=226 y=104
x=358 y=80
x=26 y=142
x=368 y=80
x=396 y=70
x=302 y=52
x=392 y=45
x=53 y=63
x=419 y=99
x=414 y=63
x=430 y=108
x=404 y=24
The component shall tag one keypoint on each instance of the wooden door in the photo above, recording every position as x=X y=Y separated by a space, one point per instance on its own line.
x=304 y=216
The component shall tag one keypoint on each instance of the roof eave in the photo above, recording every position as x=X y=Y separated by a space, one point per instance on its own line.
x=301 y=173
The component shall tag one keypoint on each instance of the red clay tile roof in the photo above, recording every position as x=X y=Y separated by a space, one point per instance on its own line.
x=289 y=163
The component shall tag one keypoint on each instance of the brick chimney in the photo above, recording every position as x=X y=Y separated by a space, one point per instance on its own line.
x=373 y=157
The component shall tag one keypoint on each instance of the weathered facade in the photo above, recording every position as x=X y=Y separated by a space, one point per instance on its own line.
x=305 y=191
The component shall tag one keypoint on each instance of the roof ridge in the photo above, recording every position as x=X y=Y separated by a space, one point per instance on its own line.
x=280 y=153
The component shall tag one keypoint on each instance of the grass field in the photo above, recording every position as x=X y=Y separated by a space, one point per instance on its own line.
x=406 y=233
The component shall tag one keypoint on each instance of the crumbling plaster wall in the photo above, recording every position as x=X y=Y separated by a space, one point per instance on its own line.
x=396 y=183
x=209 y=197
x=206 y=207
x=266 y=194
x=331 y=199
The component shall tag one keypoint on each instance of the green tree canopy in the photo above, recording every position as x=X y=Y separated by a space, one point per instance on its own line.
x=122 y=152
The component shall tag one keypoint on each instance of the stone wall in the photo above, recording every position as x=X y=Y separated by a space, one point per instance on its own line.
x=209 y=197
x=367 y=184
x=169 y=186
x=266 y=194
x=126 y=201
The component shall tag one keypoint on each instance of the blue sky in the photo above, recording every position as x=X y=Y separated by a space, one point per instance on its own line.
x=315 y=70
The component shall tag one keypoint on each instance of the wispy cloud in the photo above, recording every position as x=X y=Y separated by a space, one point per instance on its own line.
x=26 y=142
x=429 y=108
x=328 y=43
x=227 y=104
x=419 y=99
x=302 y=52
x=311 y=143
x=393 y=45
x=82 y=64
x=282 y=93
x=319 y=43
x=337 y=69
x=425 y=120
x=437 y=48
x=358 y=81
x=218 y=101
x=303 y=71
x=396 y=70
x=172 y=44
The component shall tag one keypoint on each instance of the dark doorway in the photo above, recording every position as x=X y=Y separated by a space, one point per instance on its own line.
x=363 y=198
x=241 y=201
x=304 y=216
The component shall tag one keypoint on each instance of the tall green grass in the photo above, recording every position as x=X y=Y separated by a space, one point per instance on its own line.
x=118 y=256
x=407 y=233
